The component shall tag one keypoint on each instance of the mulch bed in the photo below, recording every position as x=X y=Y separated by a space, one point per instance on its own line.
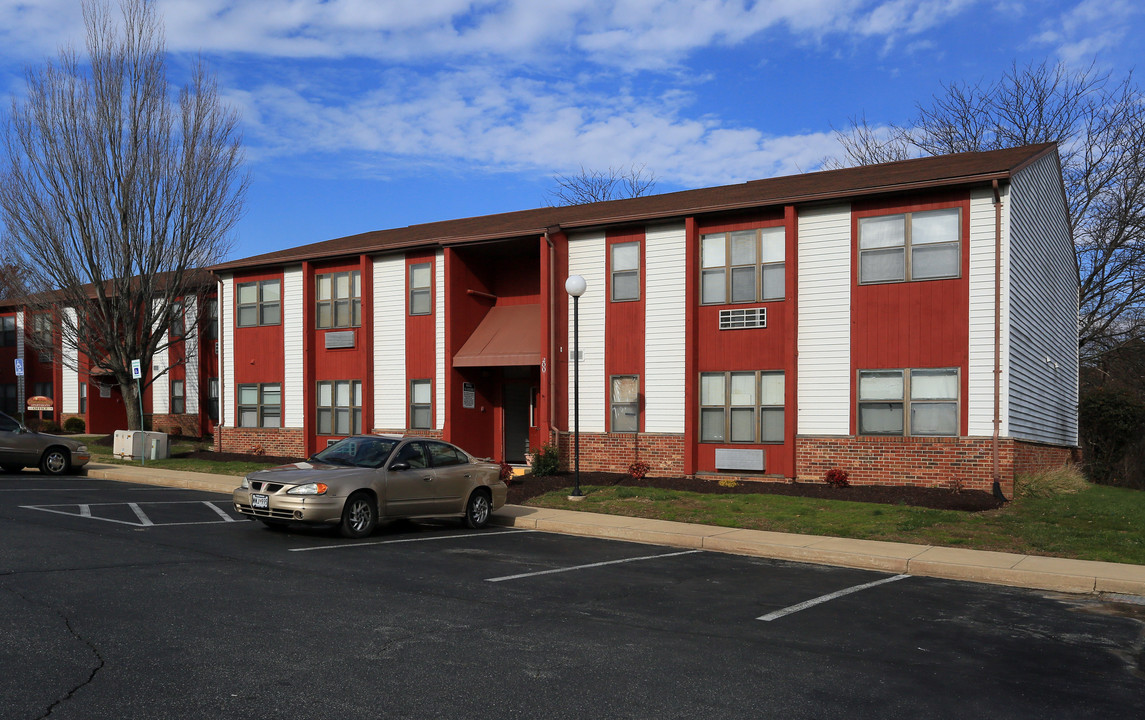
x=937 y=498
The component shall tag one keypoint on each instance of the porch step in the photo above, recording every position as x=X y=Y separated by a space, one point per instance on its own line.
x=519 y=470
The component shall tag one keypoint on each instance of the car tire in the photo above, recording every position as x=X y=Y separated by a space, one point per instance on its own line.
x=55 y=461
x=359 y=516
x=11 y=468
x=478 y=509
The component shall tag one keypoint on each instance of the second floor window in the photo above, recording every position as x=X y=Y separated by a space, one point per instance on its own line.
x=42 y=336
x=339 y=303
x=743 y=266
x=421 y=289
x=259 y=303
x=910 y=246
x=8 y=331
x=625 y=271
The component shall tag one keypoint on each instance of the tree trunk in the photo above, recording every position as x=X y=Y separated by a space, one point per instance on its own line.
x=130 y=390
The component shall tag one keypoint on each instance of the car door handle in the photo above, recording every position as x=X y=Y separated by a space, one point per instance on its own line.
x=427 y=478
x=467 y=476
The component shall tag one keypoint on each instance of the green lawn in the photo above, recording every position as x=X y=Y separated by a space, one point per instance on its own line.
x=103 y=454
x=1100 y=523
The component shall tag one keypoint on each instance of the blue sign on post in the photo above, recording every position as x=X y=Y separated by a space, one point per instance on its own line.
x=19 y=367
x=136 y=371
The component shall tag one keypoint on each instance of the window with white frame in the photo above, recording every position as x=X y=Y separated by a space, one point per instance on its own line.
x=624 y=394
x=625 y=270
x=421 y=404
x=83 y=396
x=340 y=407
x=910 y=246
x=742 y=407
x=742 y=266
x=421 y=289
x=259 y=303
x=178 y=397
x=260 y=405
x=921 y=401
x=339 y=303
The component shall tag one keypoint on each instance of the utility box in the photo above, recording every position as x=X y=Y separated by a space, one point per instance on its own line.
x=139 y=444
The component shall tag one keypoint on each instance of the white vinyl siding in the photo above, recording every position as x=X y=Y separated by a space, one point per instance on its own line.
x=389 y=313
x=824 y=387
x=161 y=379
x=587 y=259
x=665 y=307
x=439 y=340
x=980 y=379
x=1043 y=362
x=293 y=335
x=70 y=392
x=227 y=351
x=191 y=352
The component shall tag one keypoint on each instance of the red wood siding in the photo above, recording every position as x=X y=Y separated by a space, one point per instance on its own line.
x=258 y=351
x=624 y=326
x=421 y=336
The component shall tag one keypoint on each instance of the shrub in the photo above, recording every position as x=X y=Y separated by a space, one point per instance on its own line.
x=506 y=472
x=175 y=431
x=75 y=425
x=1064 y=480
x=50 y=426
x=638 y=469
x=1110 y=421
x=546 y=461
x=837 y=477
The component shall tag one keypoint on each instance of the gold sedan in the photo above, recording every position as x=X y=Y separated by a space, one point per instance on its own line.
x=363 y=479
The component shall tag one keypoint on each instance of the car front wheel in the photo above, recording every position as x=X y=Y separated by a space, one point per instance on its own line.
x=359 y=516
x=55 y=462
x=478 y=509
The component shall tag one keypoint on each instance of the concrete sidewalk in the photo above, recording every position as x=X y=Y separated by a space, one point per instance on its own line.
x=1029 y=571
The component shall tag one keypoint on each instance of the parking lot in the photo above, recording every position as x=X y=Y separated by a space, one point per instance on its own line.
x=140 y=601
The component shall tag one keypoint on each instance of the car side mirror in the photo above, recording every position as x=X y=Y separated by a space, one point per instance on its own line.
x=400 y=466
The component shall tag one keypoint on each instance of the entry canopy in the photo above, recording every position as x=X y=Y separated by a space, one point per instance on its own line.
x=509 y=335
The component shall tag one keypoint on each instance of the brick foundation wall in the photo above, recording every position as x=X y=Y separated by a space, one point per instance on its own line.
x=188 y=425
x=282 y=442
x=921 y=462
x=1031 y=457
x=614 y=452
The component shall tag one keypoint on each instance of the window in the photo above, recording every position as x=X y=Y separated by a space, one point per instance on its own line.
x=8 y=331
x=213 y=399
x=421 y=289
x=42 y=336
x=178 y=397
x=742 y=266
x=444 y=455
x=340 y=407
x=8 y=399
x=625 y=396
x=420 y=404
x=339 y=300
x=211 y=326
x=83 y=397
x=178 y=319
x=625 y=271
x=260 y=303
x=413 y=454
x=260 y=405
x=42 y=388
x=908 y=402
x=742 y=407
x=910 y=246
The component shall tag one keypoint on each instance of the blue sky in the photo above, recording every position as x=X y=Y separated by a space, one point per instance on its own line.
x=369 y=114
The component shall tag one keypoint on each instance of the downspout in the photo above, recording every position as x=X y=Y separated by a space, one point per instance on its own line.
x=219 y=360
x=552 y=338
x=996 y=450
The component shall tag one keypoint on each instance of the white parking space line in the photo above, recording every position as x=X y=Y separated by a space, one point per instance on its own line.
x=590 y=565
x=410 y=540
x=85 y=510
x=143 y=519
x=827 y=598
x=222 y=513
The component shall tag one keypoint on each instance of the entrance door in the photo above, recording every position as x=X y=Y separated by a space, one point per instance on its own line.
x=515 y=405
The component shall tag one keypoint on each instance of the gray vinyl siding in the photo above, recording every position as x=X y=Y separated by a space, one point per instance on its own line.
x=1043 y=312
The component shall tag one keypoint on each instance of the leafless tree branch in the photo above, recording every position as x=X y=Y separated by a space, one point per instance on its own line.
x=589 y=186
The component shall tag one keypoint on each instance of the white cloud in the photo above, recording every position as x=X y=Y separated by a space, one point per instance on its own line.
x=1088 y=28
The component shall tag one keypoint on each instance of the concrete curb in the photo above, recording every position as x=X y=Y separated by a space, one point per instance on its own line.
x=1027 y=571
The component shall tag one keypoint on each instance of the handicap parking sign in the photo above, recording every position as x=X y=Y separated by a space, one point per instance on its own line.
x=136 y=371
x=19 y=367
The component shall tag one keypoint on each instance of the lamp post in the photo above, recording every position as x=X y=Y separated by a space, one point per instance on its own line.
x=575 y=286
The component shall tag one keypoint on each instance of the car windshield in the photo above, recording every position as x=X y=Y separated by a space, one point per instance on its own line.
x=368 y=452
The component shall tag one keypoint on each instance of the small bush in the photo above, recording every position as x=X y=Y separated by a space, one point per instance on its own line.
x=51 y=427
x=175 y=431
x=546 y=461
x=729 y=483
x=75 y=425
x=1064 y=480
x=506 y=472
x=638 y=469
x=837 y=477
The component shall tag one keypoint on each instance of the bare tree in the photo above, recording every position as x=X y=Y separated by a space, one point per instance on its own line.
x=1099 y=124
x=114 y=191
x=589 y=186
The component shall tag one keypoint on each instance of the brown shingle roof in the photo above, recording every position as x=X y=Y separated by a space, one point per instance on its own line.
x=958 y=169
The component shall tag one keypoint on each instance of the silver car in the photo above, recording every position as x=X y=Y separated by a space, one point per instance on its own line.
x=360 y=480
x=54 y=455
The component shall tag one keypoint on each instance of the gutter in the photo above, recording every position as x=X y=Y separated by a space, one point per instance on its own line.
x=996 y=450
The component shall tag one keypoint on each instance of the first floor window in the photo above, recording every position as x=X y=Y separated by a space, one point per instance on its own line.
x=178 y=397
x=260 y=405
x=340 y=407
x=420 y=404
x=42 y=388
x=213 y=399
x=922 y=401
x=625 y=398
x=742 y=407
x=83 y=397
x=8 y=399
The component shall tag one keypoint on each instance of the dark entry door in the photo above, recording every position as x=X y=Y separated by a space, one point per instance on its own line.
x=515 y=404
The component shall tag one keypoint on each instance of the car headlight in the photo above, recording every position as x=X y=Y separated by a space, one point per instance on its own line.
x=308 y=489
x=246 y=484
x=82 y=449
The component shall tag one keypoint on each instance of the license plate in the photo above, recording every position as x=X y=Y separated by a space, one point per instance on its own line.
x=260 y=502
